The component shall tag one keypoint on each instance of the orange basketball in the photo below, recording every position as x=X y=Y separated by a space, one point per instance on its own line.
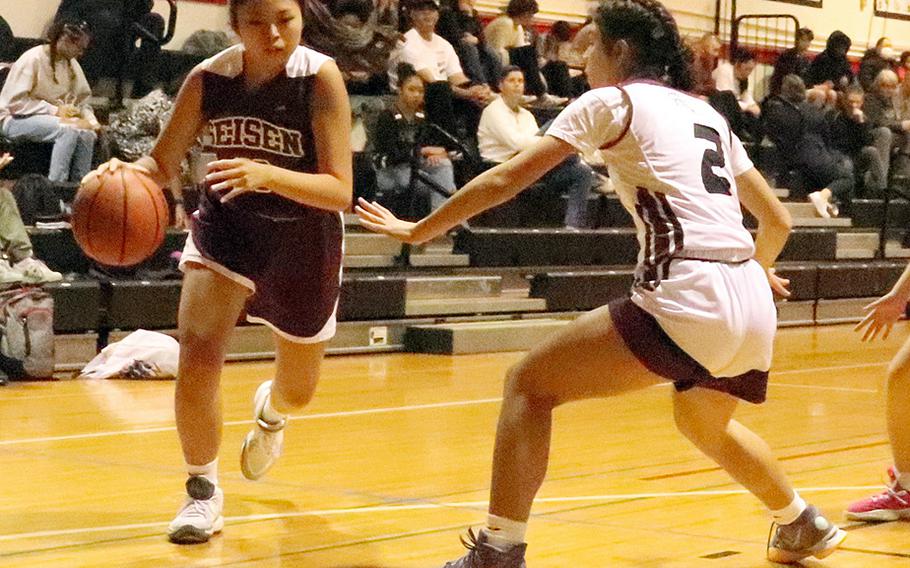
x=119 y=218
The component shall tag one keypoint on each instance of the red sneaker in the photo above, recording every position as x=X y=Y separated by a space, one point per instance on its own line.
x=890 y=505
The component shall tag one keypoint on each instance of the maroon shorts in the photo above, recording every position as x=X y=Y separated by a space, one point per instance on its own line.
x=662 y=356
x=293 y=265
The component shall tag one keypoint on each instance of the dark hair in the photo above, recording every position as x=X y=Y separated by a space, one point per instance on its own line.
x=507 y=70
x=561 y=30
x=415 y=5
x=804 y=33
x=904 y=56
x=235 y=5
x=405 y=72
x=651 y=32
x=362 y=9
x=742 y=55
x=517 y=8
x=75 y=30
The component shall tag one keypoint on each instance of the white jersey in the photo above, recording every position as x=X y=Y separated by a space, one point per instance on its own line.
x=673 y=161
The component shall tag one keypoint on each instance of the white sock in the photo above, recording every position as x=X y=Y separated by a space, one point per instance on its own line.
x=269 y=414
x=791 y=512
x=208 y=471
x=902 y=478
x=504 y=533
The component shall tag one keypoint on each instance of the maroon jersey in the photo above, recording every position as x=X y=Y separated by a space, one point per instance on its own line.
x=289 y=253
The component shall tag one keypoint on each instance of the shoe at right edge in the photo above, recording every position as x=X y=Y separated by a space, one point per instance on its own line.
x=809 y=535
x=482 y=554
x=890 y=505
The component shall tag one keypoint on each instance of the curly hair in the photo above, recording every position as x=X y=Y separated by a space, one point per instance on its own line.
x=650 y=30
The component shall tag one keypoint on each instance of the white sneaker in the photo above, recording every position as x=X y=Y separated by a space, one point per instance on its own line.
x=8 y=274
x=36 y=272
x=200 y=517
x=262 y=445
x=820 y=204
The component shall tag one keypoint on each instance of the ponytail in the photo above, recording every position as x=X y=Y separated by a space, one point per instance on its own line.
x=651 y=31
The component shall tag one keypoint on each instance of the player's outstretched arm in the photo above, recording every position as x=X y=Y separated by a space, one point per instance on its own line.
x=489 y=189
x=774 y=223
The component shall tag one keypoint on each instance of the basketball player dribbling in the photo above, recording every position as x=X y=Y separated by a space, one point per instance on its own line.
x=267 y=235
x=893 y=503
x=701 y=312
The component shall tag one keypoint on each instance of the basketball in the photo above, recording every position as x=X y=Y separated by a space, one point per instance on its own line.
x=119 y=218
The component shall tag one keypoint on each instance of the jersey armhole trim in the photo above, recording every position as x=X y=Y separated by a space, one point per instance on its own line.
x=628 y=122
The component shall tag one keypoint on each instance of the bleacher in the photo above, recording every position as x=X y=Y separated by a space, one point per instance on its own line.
x=503 y=283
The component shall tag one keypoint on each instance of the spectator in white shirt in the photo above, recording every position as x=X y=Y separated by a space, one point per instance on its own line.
x=734 y=75
x=45 y=99
x=433 y=57
x=506 y=128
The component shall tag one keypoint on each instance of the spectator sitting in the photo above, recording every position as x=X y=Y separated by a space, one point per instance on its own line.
x=881 y=112
x=508 y=36
x=398 y=134
x=350 y=32
x=563 y=67
x=460 y=25
x=853 y=135
x=903 y=64
x=46 y=99
x=734 y=75
x=792 y=61
x=20 y=264
x=705 y=56
x=506 y=129
x=434 y=58
x=802 y=136
x=831 y=65
x=874 y=61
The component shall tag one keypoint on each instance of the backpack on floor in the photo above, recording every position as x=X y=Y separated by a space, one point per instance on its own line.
x=26 y=334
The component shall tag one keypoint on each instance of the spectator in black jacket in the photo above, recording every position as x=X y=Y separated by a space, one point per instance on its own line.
x=831 y=65
x=853 y=135
x=792 y=61
x=874 y=61
x=402 y=140
x=881 y=112
x=460 y=25
x=803 y=138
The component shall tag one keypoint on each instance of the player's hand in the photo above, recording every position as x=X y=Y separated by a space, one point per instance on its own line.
x=112 y=166
x=378 y=219
x=778 y=284
x=5 y=159
x=237 y=176
x=882 y=315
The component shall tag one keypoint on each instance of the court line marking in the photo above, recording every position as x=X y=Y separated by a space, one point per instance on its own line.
x=426 y=506
x=453 y=404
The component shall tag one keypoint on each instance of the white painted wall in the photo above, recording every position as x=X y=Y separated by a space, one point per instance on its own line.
x=29 y=17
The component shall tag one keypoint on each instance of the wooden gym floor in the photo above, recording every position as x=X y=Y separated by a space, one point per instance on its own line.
x=392 y=461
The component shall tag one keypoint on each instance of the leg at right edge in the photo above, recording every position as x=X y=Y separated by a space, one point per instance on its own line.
x=893 y=503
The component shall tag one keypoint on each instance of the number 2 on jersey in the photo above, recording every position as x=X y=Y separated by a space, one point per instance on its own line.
x=712 y=159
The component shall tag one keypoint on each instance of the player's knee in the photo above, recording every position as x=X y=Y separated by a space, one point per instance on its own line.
x=200 y=348
x=520 y=386
x=694 y=428
x=297 y=397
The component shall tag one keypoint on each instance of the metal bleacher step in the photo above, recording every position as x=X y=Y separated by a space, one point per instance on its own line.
x=854 y=254
x=435 y=287
x=368 y=261
x=432 y=259
x=791 y=313
x=781 y=192
x=857 y=241
x=479 y=337
x=481 y=305
x=804 y=215
x=846 y=310
x=357 y=244
x=894 y=249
